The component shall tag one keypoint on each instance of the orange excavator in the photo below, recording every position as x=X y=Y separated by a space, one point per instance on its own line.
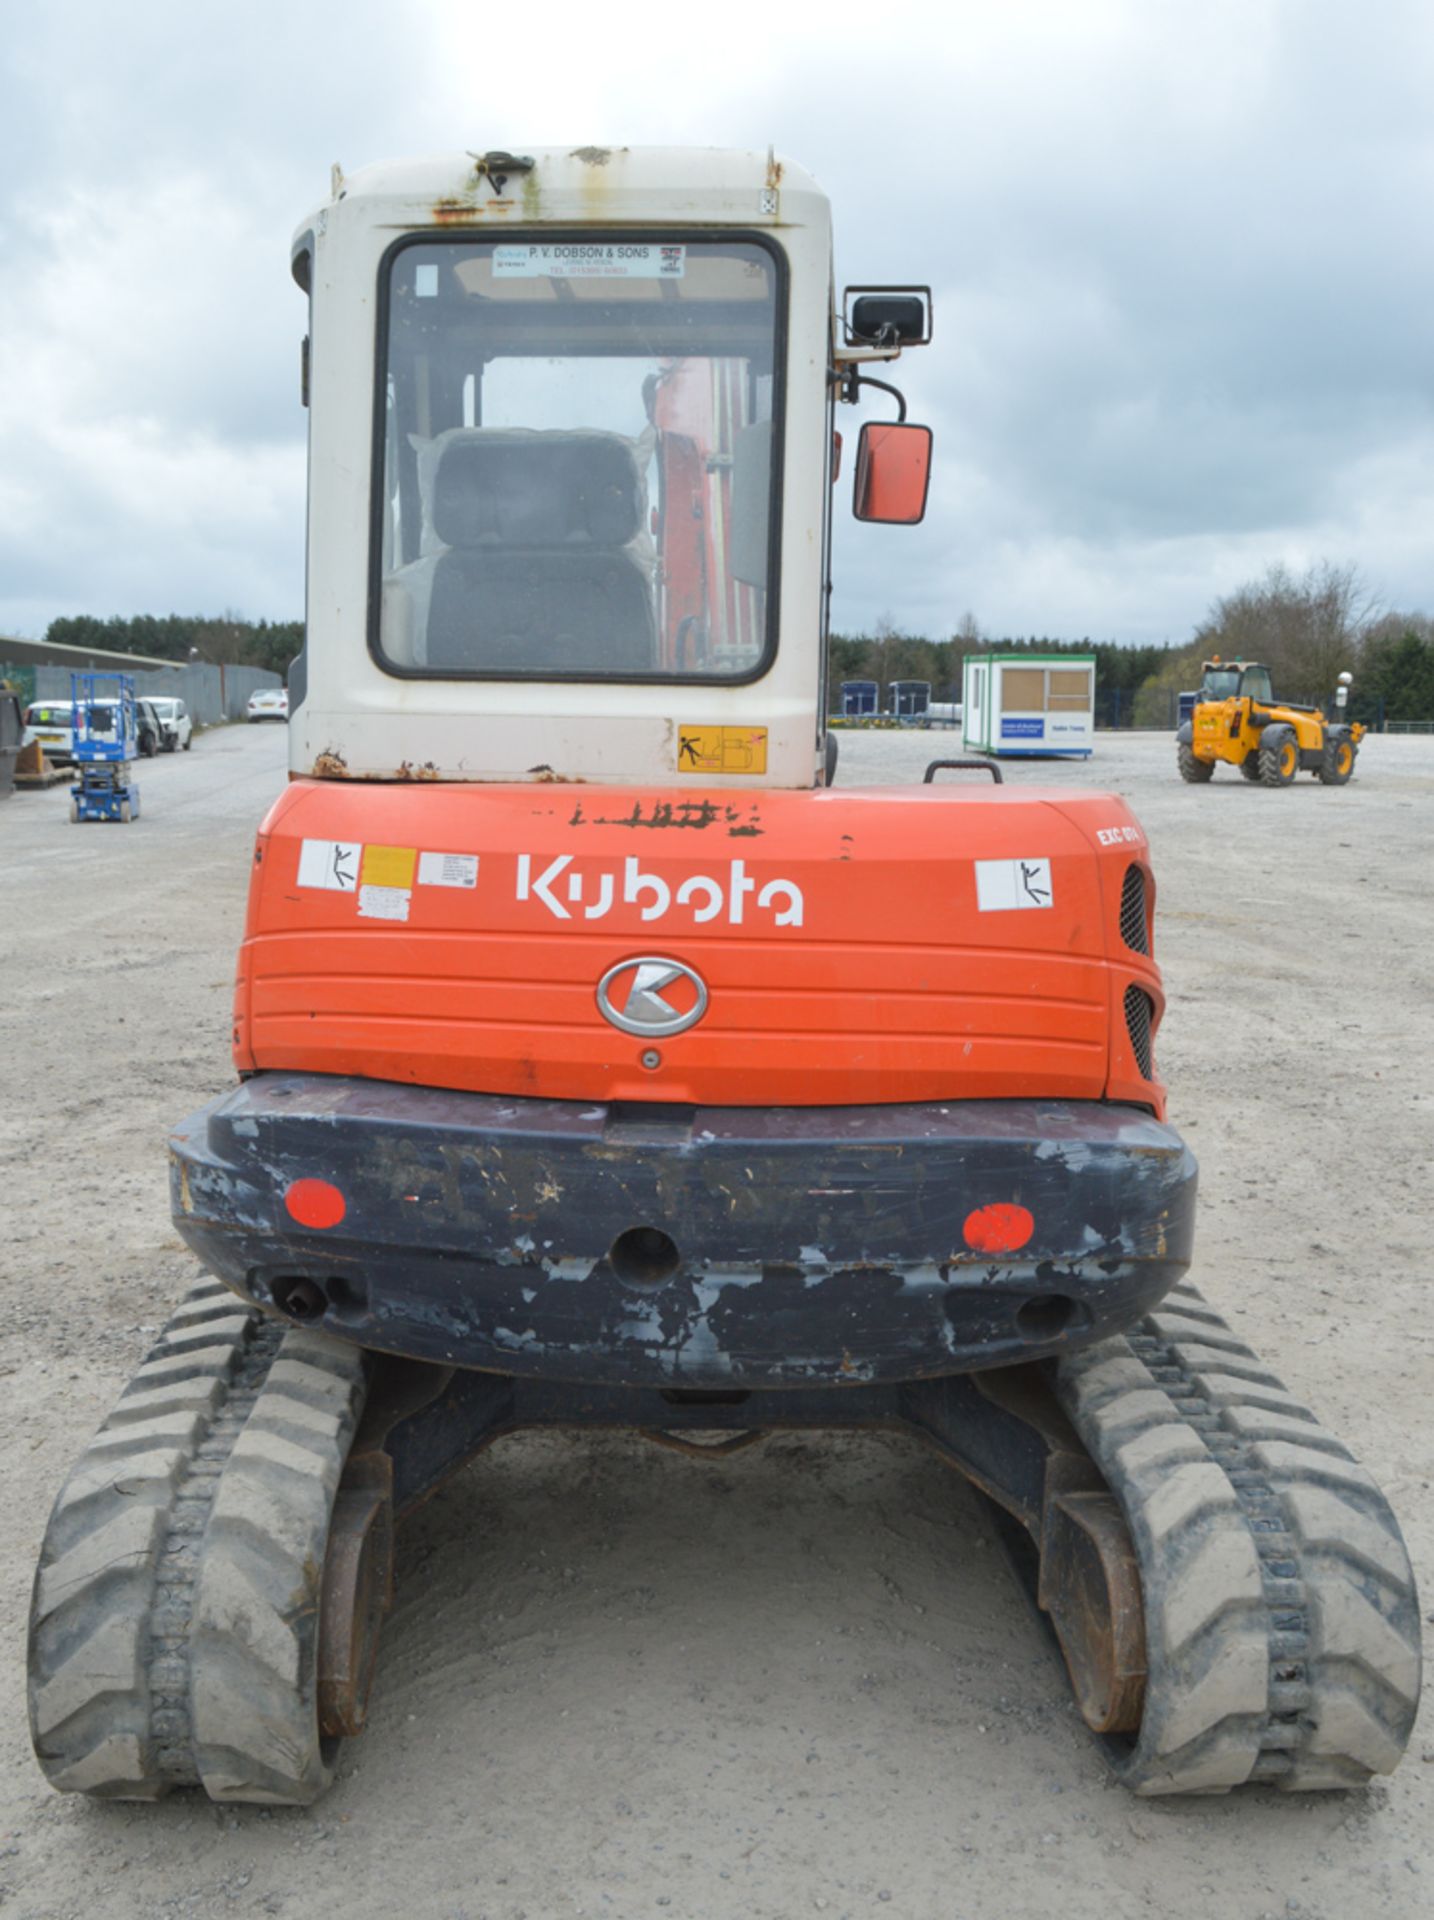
x=601 y=1062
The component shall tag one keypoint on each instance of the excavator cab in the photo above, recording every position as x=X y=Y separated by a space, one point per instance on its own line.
x=600 y=1063
x=571 y=459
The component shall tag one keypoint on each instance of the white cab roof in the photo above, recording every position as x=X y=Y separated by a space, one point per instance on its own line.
x=583 y=185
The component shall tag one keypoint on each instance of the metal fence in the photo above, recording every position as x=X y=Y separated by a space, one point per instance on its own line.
x=1115 y=707
x=211 y=693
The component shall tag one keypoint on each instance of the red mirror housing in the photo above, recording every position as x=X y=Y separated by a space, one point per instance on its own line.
x=893 y=472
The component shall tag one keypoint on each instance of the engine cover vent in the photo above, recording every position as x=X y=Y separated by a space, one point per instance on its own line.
x=1134 y=922
x=1139 y=1013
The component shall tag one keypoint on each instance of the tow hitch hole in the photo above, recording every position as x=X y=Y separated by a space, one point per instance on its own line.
x=300 y=1299
x=1045 y=1316
x=644 y=1256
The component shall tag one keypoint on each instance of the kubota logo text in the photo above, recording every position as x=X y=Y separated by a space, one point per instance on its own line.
x=571 y=892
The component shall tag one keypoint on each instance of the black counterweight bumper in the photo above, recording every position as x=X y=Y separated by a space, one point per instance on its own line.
x=681 y=1248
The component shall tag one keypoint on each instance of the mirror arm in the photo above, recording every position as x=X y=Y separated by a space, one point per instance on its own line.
x=852 y=381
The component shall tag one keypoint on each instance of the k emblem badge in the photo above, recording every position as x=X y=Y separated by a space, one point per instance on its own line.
x=652 y=997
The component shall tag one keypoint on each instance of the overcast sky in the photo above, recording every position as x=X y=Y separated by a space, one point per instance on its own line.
x=1182 y=259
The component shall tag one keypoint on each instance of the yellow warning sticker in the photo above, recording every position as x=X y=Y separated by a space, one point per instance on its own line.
x=721 y=749
x=388 y=866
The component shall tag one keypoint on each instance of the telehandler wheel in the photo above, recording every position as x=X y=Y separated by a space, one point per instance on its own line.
x=1279 y=757
x=1250 y=766
x=1281 y=1616
x=1192 y=768
x=174 y=1633
x=1337 y=761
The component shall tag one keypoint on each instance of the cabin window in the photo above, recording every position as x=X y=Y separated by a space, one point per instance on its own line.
x=1068 y=690
x=578 y=457
x=1023 y=690
x=1045 y=689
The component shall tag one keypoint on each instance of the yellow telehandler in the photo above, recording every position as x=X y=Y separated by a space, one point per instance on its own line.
x=1237 y=718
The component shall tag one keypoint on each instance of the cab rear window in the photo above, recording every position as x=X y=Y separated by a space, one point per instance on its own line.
x=578 y=457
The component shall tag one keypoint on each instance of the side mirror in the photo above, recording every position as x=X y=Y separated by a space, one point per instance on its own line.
x=893 y=472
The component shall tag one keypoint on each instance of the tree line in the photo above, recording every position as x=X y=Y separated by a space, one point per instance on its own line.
x=889 y=655
x=223 y=639
x=1307 y=628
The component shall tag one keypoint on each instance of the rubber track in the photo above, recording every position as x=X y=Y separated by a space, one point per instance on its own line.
x=1282 y=1622
x=173 y=1634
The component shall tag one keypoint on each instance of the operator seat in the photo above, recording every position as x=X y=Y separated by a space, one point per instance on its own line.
x=536 y=577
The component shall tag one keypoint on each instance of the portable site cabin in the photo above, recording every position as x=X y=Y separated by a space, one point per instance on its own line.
x=859 y=697
x=910 y=698
x=1037 y=704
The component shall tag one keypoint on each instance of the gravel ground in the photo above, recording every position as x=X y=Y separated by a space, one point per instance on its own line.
x=801 y=1682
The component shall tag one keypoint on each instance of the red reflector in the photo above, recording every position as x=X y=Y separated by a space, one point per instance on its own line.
x=315 y=1203
x=1000 y=1228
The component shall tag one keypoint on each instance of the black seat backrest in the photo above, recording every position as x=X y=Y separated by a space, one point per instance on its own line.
x=536 y=579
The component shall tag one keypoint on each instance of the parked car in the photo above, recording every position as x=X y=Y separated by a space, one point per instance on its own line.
x=52 y=723
x=174 y=717
x=269 y=703
x=149 y=728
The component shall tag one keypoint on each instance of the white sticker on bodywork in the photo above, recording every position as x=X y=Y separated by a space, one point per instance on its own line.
x=383 y=903
x=333 y=864
x=1004 y=884
x=590 y=260
x=448 y=869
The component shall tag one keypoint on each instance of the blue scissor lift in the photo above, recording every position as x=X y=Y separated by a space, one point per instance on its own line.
x=105 y=743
